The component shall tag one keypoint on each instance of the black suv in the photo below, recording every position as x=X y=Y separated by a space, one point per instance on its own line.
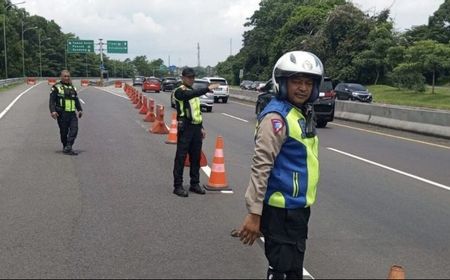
x=168 y=83
x=346 y=91
x=323 y=106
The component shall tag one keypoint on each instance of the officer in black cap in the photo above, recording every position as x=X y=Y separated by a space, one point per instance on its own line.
x=63 y=104
x=190 y=132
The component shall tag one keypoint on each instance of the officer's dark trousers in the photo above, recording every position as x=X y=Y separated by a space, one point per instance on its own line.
x=285 y=232
x=68 y=127
x=189 y=142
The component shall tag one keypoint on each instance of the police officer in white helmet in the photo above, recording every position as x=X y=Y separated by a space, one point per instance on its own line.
x=285 y=168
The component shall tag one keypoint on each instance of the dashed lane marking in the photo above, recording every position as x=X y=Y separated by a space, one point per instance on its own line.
x=236 y=118
x=392 y=169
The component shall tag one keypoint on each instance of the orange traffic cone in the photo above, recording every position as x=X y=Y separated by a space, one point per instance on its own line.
x=159 y=127
x=136 y=97
x=203 y=161
x=172 y=136
x=139 y=104
x=150 y=117
x=396 y=272
x=144 y=108
x=218 y=178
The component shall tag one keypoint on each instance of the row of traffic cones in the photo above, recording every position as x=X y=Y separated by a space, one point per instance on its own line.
x=217 y=179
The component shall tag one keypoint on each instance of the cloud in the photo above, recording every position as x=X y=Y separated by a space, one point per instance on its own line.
x=156 y=28
x=405 y=13
x=163 y=28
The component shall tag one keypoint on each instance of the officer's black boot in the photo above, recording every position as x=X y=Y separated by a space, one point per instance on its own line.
x=180 y=192
x=66 y=150
x=197 y=189
x=70 y=151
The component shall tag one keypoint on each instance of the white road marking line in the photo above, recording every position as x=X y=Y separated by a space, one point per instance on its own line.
x=82 y=100
x=207 y=170
x=3 y=113
x=113 y=93
x=243 y=104
x=390 y=135
x=392 y=169
x=239 y=119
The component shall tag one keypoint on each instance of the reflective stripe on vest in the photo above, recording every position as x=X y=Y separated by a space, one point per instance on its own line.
x=69 y=104
x=293 y=180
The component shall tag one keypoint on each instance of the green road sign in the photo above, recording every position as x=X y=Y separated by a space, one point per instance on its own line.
x=80 y=46
x=117 y=46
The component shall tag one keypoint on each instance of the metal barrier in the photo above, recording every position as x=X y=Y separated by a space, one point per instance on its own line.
x=7 y=82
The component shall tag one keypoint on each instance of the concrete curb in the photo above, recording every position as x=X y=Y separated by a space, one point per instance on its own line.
x=418 y=120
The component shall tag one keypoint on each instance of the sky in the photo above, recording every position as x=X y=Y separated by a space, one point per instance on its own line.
x=171 y=29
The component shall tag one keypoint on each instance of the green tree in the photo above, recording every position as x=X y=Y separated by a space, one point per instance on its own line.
x=430 y=58
x=373 y=61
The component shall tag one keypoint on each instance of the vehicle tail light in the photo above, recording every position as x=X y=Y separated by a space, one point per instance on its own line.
x=328 y=94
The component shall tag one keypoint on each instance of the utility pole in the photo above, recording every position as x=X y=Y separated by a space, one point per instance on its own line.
x=198 y=54
x=101 y=60
x=231 y=44
x=40 y=52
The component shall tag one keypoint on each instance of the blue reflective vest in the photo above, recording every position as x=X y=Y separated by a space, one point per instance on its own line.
x=294 y=177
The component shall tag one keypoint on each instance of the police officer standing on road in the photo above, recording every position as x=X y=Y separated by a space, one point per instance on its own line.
x=285 y=169
x=190 y=132
x=63 y=104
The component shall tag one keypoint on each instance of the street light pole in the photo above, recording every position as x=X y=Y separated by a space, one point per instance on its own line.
x=4 y=44
x=23 y=48
x=40 y=53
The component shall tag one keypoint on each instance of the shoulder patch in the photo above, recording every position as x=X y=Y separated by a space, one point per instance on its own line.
x=277 y=125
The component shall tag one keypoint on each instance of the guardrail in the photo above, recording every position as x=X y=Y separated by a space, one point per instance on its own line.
x=418 y=120
x=7 y=82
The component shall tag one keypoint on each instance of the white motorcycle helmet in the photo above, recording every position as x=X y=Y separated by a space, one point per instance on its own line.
x=293 y=63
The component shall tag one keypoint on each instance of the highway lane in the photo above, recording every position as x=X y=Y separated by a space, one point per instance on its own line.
x=367 y=217
x=108 y=212
x=113 y=214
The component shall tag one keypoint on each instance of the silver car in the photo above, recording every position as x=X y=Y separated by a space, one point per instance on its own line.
x=222 y=92
x=206 y=100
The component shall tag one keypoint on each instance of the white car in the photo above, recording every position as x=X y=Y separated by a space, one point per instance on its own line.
x=222 y=92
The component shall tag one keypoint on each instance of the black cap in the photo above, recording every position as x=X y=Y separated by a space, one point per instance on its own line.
x=188 y=72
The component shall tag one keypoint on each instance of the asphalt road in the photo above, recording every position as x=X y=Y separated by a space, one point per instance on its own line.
x=109 y=212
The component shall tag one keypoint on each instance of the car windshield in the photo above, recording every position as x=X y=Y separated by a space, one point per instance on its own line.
x=170 y=80
x=219 y=81
x=356 y=87
x=326 y=86
x=152 y=80
x=138 y=78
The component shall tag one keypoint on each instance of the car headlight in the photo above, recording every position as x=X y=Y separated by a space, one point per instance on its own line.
x=354 y=94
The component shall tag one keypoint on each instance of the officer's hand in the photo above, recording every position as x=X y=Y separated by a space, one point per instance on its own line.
x=249 y=230
x=213 y=86
x=54 y=115
x=203 y=133
x=80 y=114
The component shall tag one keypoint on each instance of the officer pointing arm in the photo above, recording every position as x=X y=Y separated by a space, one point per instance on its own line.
x=183 y=93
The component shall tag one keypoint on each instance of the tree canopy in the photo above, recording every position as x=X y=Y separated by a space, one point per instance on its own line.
x=354 y=46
